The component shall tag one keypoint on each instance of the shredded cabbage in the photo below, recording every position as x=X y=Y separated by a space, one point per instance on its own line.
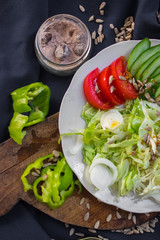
x=132 y=147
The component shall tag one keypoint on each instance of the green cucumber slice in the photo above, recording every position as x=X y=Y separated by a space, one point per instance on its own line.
x=137 y=50
x=150 y=69
x=145 y=65
x=144 y=56
x=156 y=72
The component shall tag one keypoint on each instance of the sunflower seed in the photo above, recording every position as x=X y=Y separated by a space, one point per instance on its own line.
x=82 y=8
x=98 y=20
x=128 y=37
x=71 y=232
x=111 y=26
x=129 y=233
x=132 y=25
x=111 y=79
x=97 y=224
x=112 y=89
x=88 y=206
x=100 y=237
x=35 y=174
x=101 y=12
x=118 y=215
x=93 y=35
x=82 y=200
x=148 y=85
x=135 y=231
x=86 y=216
x=130 y=216
x=79 y=234
x=100 y=28
x=91 y=18
x=109 y=217
x=140 y=83
x=47 y=164
x=55 y=153
x=92 y=230
x=102 y=5
x=147 y=95
x=37 y=171
x=134 y=219
x=135 y=85
x=66 y=225
x=116 y=30
x=122 y=78
x=95 y=41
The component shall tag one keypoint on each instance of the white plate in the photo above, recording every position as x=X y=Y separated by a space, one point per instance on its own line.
x=70 y=119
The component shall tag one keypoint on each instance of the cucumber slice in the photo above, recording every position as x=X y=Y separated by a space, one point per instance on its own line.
x=137 y=50
x=145 y=65
x=143 y=58
x=150 y=69
x=156 y=72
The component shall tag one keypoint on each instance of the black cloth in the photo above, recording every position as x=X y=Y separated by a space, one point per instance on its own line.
x=19 y=22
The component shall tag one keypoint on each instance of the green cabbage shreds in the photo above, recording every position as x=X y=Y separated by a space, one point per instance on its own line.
x=133 y=146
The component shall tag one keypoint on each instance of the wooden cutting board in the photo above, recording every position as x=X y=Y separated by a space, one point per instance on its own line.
x=40 y=140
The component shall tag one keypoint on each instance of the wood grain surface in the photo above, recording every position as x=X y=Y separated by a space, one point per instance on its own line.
x=40 y=140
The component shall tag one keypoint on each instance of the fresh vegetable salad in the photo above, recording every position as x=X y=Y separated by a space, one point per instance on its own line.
x=121 y=141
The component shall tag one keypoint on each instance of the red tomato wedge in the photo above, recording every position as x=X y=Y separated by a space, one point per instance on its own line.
x=105 y=85
x=93 y=97
x=124 y=88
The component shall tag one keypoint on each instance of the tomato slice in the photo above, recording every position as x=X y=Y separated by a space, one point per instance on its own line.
x=124 y=88
x=93 y=97
x=106 y=87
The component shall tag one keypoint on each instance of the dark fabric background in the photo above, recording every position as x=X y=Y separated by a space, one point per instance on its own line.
x=19 y=22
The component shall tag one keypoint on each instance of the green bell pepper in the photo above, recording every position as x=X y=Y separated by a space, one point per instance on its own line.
x=36 y=165
x=16 y=126
x=32 y=99
x=54 y=184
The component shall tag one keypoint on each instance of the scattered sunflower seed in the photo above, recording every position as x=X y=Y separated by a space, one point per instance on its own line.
x=82 y=200
x=79 y=234
x=71 y=232
x=118 y=215
x=109 y=217
x=122 y=78
x=35 y=174
x=111 y=79
x=101 y=12
x=134 y=219
x=56 y=153
x=93 y=35
x=92 y=230
x=86 y=216
x=111 y=89
x=95 y=41
x=98 y=20
x=97 y=224
x=111 y=26
x=88 y=206
x=91 y=18
x=82 y=8
x=102 y=5
x=66 y=225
